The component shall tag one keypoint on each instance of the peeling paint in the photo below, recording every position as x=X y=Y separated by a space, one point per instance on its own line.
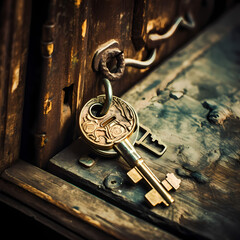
x=47 y=105
x=84 y=28
x=16 y=77
x=43 y=140
x=50 y=48
x=74 y=59
x=121 y=16
x=78 y=90
x=217 y=113
x=40 y=139
x=77 y=3
x=47 y=49
x=157 y=24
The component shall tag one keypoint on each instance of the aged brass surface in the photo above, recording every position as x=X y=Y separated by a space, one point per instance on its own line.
x=129 y=153
x=153 y=195
x=104 y=131
x=134 y=175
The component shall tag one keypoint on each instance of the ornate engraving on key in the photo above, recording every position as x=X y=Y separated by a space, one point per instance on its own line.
x=104 y=131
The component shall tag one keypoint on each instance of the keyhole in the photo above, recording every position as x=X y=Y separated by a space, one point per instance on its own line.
x=112 y=65
x=96 y=109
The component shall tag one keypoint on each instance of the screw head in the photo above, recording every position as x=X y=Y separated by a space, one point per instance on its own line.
x=113 y=181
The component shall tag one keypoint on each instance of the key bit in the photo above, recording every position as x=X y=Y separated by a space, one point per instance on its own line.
x=171 y=182
x=134 y=175
x=153 y=196
x=129 y=153
x=154 y=140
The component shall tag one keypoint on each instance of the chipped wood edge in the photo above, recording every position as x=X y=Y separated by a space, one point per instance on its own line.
x=81 y=204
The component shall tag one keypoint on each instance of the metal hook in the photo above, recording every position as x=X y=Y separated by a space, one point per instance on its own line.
x=109 y=96
x=142 y=64
x=154 y=39
x=111 y=50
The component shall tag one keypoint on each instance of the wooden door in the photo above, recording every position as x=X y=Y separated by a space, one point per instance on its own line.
x=64 y=38
x=14 y=32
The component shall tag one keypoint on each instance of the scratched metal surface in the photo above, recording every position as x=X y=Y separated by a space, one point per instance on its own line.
x=191 y=102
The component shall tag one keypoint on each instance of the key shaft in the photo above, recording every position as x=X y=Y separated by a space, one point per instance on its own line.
x=128 y=152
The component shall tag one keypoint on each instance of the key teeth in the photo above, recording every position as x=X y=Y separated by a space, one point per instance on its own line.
x=155 y=139
x=155 y=198
x=167 y=185
x=134 y=175
x=159 y=143
x=173 y=180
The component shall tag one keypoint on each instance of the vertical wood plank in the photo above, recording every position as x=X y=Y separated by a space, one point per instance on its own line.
x=14 y=31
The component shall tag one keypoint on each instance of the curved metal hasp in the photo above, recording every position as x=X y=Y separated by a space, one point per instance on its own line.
x=154 y=39
x=142 y=64
x=98 y=54
x=109 y=96
x=104 y=55
x=113 y=44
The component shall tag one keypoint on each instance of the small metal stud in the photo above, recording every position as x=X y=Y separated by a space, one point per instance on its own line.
x=113 y=181
x=86 y=161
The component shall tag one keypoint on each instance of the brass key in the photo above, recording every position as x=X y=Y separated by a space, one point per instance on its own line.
x=112 y=131
x=159 y=192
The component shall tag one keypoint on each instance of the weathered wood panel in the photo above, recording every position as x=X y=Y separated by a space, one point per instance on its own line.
x=192 y=103
x=80 y=204
x=14 y=29
x=61 y=78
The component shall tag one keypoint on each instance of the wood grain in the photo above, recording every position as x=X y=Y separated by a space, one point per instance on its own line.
x=203 y=151
x=14 y=31
x=81 y=204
